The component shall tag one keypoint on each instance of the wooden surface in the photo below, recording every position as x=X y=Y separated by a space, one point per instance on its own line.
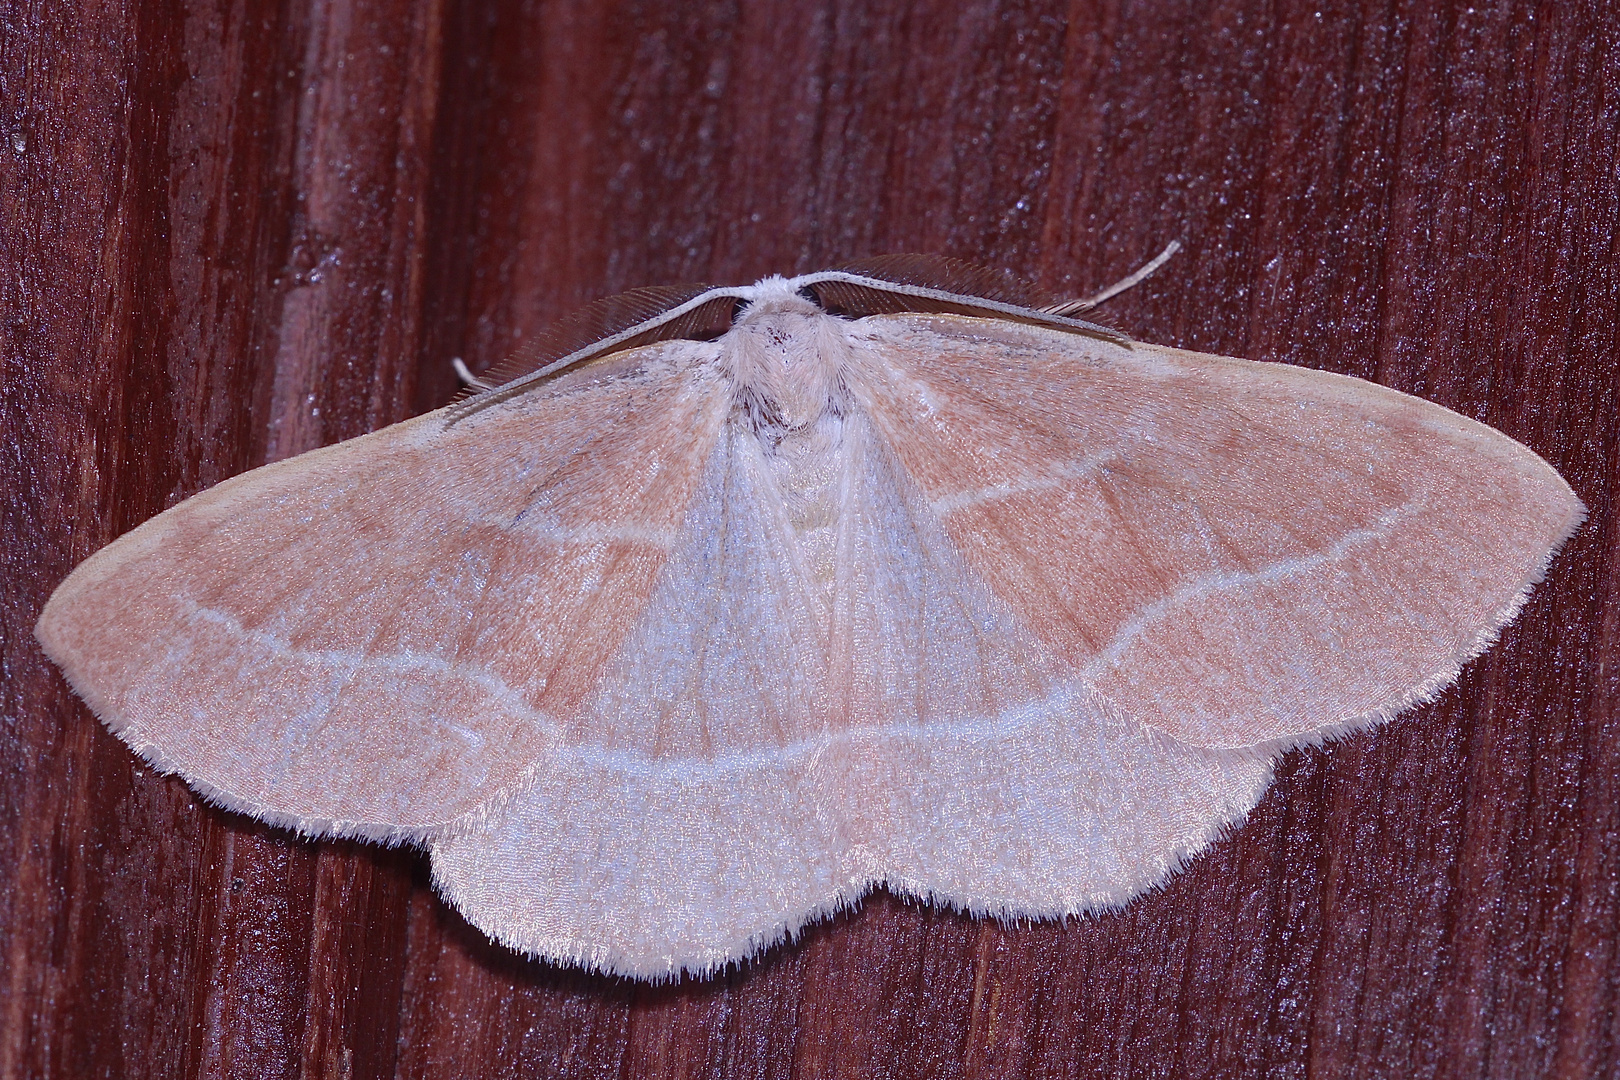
x=230 y=233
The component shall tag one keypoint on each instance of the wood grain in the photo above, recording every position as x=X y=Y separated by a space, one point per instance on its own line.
x=232 y=232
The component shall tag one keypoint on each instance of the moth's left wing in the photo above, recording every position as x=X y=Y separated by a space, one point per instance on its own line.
x=1236 y=553
x=376 y=638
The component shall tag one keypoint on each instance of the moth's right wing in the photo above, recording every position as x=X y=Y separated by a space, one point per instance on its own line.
x=375 y=638
x=1236 y=553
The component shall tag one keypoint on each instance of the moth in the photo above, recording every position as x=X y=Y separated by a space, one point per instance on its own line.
x=729 y=604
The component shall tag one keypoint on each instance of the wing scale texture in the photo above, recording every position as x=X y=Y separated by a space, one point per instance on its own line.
x=375 y=638
x=668 y=654
x=1236 y=553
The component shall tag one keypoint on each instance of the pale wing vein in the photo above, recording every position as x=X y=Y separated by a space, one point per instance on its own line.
x=405 y=663
x=1193 y=590
x=1047 y=479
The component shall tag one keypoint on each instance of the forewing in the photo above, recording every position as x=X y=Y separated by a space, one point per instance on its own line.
x=1236 y=553
x=373 y=638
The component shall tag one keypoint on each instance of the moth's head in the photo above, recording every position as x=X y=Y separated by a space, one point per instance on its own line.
x=786 y=355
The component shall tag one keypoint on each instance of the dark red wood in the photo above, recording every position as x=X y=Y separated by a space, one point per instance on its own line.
x=229 y=233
